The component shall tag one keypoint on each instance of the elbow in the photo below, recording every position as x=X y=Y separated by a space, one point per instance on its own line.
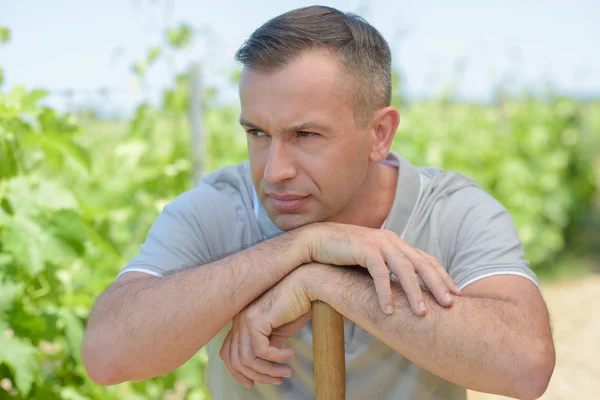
x=537 y=372
x=102 y=376
x=99 y=362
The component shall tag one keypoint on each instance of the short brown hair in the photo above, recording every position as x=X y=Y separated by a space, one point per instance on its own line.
x=362 y=49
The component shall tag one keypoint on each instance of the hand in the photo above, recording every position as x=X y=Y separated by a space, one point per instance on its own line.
x=252 y=349
x=342 y=244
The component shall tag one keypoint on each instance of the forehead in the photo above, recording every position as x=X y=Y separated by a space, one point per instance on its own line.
x=312 y=86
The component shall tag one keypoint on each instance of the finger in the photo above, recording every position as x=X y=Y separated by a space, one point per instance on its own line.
x=226 y=349
x=225 y=354
x=236 y=363
x=405 y=271
x=237 y=375
x=267 y=368
x=431 y=278
x=381 y=278
x=250 y=359
x=242 y=379
x=263 y=348
x=450 y=283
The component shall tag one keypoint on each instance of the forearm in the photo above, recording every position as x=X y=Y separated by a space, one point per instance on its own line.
x=148 y=327
x=483 y=344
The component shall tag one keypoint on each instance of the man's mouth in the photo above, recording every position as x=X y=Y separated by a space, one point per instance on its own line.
x=287 y=202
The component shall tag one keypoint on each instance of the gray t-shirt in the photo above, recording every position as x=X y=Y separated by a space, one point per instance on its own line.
x=442 y=213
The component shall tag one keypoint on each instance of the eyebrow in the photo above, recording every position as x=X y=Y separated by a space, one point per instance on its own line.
x=305 y=126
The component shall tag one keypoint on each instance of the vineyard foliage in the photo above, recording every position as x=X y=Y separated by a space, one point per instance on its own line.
x=78 y=195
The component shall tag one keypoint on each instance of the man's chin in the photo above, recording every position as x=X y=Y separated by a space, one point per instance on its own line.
x=290 y=221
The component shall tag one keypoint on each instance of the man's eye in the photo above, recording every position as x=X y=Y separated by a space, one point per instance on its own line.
x=306 y=134
x=255 y=132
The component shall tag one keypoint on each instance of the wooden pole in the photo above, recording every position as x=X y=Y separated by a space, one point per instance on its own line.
x=328 y=352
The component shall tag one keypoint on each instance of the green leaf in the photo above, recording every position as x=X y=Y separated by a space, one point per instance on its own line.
x=20 y=357
x=73 y=333
x=153 y=54
x=68 y=150
x=16 y=95
x=180 y=37
x=31 y=99
x=8 y=292
x=31 y=245
x=102 y=242
x=5 y=259
x=10 y=157
x=1 y=76
x=67 y=226
x=4 y=34
x=4 y=326
x=72 y=393
x=23 y=240
x=58 y=251
x=140 y=67
x=29 y=196
x=19 y=193
x=55 y=196
x=57 y=123
x=5 y=220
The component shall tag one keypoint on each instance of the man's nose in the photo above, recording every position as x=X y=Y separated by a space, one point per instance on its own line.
x=280 y=165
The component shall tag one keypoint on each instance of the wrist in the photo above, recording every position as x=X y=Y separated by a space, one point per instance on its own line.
x=314 y=277
x=305 y=237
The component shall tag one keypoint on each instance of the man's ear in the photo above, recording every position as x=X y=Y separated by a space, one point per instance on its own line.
x=384 y=125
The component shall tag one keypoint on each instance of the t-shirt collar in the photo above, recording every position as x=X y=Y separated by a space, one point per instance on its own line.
x=408 y=191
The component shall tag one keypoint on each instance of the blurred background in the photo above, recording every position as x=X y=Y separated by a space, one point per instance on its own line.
x=109 y=109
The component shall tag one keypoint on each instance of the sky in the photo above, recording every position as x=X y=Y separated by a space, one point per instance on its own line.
x=86 y=45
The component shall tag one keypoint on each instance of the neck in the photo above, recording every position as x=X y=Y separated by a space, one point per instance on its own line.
x=372 y=204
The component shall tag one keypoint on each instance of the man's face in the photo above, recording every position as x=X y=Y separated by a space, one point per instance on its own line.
x=308 y=158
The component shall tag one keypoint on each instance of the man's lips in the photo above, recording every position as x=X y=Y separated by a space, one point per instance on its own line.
x=287 y=202
x=285 y=196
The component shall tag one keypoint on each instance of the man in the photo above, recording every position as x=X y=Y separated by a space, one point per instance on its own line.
x=320 y=212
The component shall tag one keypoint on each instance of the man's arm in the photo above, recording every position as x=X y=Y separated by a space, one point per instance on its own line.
x=143 y=326
x=495 y=338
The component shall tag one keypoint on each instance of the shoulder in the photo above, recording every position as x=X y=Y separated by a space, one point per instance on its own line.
x=475 y=233
x=230 y=180
x=455 y=193
x=200 y=225
x=454 y=209
x=465 y=214
x=226 y=193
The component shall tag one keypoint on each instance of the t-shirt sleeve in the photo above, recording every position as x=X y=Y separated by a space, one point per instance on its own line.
x=187 y=232
x=484 y=240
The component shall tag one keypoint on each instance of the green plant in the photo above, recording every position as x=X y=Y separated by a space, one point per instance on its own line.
x=78 y=195
x=73 y=208
x=532 y=156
